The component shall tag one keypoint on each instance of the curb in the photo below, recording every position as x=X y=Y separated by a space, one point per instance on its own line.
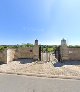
x=43 y=75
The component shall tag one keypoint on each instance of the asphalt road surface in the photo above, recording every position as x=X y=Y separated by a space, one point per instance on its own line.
x=14 y=83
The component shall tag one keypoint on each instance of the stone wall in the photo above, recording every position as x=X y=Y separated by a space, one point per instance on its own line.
x=24 y=53
x=27 y=52
x=74 y=53
x=9 y=55
x=3 y=56
x=65 y=53
x=69 y=54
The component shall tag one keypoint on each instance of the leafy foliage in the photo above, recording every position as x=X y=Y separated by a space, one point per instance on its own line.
x=2 y=48
x=48 y=48
x=75 y=46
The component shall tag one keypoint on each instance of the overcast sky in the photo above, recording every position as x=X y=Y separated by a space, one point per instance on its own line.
x=23 y=21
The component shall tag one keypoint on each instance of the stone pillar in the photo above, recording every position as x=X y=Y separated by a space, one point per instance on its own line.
x=47 y=53
x=5 y=56
x=36 y=42
x=64 y=51
x=36 y=52
x=10 y=55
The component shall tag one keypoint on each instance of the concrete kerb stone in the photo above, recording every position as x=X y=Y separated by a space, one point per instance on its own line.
x=43 y=75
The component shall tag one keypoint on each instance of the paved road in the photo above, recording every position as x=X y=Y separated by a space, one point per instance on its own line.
x=14 y=83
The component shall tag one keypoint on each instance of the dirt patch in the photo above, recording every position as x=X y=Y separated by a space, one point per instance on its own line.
x=47 y=68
